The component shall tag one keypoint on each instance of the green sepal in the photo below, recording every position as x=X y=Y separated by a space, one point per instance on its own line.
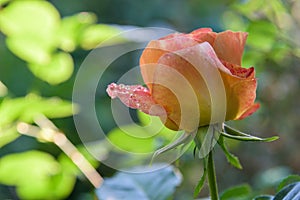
x=184 y=139
x=238 y=135
x=202 y=179
x=232 y=159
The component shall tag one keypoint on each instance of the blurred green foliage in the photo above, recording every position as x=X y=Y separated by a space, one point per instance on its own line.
x=44 y=42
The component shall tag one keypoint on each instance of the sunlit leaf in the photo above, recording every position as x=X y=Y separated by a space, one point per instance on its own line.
x=262 y=35
x=36 y=175
x=58 y=70
x=239 y=192
x=127 y=141
x=153 y=123
x=2 y=2
x=30 y=48
x=154 y=184
x=29 y=107
x=69 y=34
x=3 y=90
x=35 y=18
x=233 y=21
x=95 y=34
x=8 y=135
x=252 y=8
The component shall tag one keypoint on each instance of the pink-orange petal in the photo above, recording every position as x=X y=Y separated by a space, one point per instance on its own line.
x=157 y=48
x=250 y=111
x=203 y=35
x=229 y=46
x=136 y=97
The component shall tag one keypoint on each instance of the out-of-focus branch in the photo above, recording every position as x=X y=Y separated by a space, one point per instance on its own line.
x=47 y=131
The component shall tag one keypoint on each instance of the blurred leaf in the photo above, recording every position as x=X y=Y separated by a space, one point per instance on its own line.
x=71 y=28
x=251 y=8
x=34 y=18
x=233 y=21
x=36 y=175
x=289 y=192
x=239 y=192
x=58 y=70
x=142 y=139
x=30 y=27
x=27 y=108
x=3 y=90
x=125 y=140
x=8 y=135
x=30 y=48
x=232 y=159
x=262 y=35
x=271 y=177
x=153 y=123
x=2 y=2
x=288 y=180
x=93 y=35
x=152 y=184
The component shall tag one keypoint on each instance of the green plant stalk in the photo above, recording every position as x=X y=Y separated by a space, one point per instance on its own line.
x=212 y=180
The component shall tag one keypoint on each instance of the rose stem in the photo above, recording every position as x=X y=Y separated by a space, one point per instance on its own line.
x=212 y=180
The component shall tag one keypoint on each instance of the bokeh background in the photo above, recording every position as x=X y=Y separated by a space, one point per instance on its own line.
x=273 y=48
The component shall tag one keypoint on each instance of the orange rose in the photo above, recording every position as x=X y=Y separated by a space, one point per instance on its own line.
x=178 y=69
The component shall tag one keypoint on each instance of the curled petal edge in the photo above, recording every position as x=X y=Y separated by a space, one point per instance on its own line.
x=136 y=97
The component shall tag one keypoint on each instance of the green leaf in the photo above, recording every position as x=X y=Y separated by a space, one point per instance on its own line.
x=58 y=70
x=202 y=179
x=8 y=135
x=35 y=18
x=27 y=108
x=262 y=35
x=36 y=175
x=151 y=184
x=30 y=48
x=93 y=35
x=2 y=2
x=236 y=193
x=152 y=134
x=125 y=138
x=289 y=192
x=69 y=34
x=288 y=180
x=238 y=135
x=232 y=159
x=21 y=21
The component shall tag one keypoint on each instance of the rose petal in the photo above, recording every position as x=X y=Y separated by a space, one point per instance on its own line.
x=241 y=94
x=135 y=96
x=204 y=35
x=156 y=48
x=229 y=46
x=179 y=85
x=250 y=111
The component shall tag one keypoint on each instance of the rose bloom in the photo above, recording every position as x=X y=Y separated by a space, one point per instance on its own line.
x=179 y=63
